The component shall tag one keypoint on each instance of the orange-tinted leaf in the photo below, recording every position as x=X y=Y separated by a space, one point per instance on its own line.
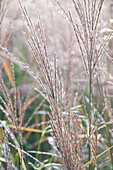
x=8 y=73
x=80 y=139
x=26 y=129
x=110 y=114
x=96 y=157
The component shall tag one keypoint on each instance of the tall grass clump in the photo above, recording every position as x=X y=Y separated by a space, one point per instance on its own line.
x=80 y=125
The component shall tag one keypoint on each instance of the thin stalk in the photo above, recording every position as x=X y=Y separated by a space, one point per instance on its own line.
x=90 y=94
x=90 y=90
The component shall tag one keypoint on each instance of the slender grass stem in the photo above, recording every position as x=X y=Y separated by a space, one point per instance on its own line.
x=90 y=83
